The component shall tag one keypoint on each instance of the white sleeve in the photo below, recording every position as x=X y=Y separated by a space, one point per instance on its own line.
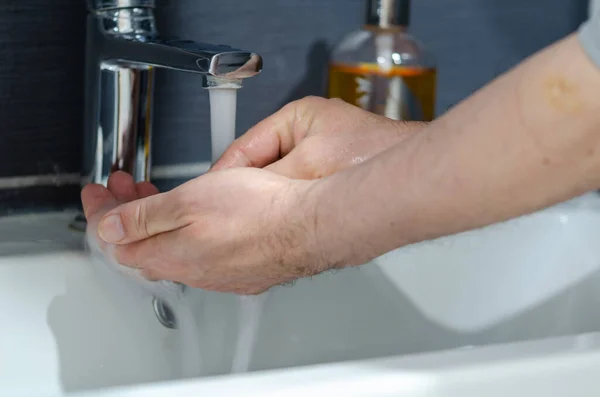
x=589 y=37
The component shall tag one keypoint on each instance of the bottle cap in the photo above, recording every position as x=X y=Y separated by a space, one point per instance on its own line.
x=388 y=13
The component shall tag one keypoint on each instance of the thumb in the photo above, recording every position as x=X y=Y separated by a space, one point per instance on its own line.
x=143 y=218
x=264 y=143
x=291 y=166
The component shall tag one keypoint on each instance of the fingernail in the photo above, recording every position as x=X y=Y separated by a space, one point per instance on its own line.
x=111 y=229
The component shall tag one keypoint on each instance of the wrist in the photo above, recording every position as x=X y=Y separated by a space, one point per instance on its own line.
x=360 y=213
x=301 y=252
x=407 y=128
x=336 y=221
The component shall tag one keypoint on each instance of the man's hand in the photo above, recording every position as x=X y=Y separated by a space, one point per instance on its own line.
x=313 y=138
x=241 y=230
x=527 y=140
x=98 y=199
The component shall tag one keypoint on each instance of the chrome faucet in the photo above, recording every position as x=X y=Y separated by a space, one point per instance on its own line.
x=123 y=49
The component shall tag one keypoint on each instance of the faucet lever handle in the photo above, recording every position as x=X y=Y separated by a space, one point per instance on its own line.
x=209 y=59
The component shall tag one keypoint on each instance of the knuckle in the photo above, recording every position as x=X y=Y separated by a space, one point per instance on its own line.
x=186 y=204
x=141 y=219
x=340 y=105
x=306 y=102
x=183 y=197
x=313 y=100
x=337 y=101
x=289 y=108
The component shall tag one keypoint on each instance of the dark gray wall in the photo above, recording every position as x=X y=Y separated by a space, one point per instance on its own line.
x=41 y=44
x=474 y=41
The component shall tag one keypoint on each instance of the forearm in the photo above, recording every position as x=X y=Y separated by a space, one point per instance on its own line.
x=528 y=140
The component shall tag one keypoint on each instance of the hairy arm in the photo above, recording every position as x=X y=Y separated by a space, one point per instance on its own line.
x=528 y=140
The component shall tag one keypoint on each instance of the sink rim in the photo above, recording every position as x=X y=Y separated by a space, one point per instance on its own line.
x=543 y=361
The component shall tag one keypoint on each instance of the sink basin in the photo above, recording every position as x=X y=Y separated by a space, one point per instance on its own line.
x=70 y=327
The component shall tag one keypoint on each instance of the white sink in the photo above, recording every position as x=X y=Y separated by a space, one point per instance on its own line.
x=69 y=327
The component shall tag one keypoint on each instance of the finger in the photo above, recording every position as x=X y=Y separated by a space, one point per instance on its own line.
x=316 y=158
x=122 y=186
x=313 y=158
x=158 y=257
x=264 y=143
x=143 y=218
x=96 y=198
x=164 y=257
x=146 y=189
x=291 y=167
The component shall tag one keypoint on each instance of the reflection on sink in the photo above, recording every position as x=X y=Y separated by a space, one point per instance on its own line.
x=546 y=264
x=69 y=327
x=68 y=331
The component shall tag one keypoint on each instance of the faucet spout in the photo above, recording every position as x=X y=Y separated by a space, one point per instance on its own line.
x=122 y=52
x=219 y=61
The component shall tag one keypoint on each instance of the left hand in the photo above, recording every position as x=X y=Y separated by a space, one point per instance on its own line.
x=240 y=230
x=315 y=137
x=97 y=199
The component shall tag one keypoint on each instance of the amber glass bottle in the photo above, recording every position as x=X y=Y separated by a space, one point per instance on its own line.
x=382 y=68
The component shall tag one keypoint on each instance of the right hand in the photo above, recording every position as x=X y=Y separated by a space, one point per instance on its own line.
x=313 y=138
x=240 y=230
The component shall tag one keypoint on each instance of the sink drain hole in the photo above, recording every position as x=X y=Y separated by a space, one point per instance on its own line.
x=164 y=314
